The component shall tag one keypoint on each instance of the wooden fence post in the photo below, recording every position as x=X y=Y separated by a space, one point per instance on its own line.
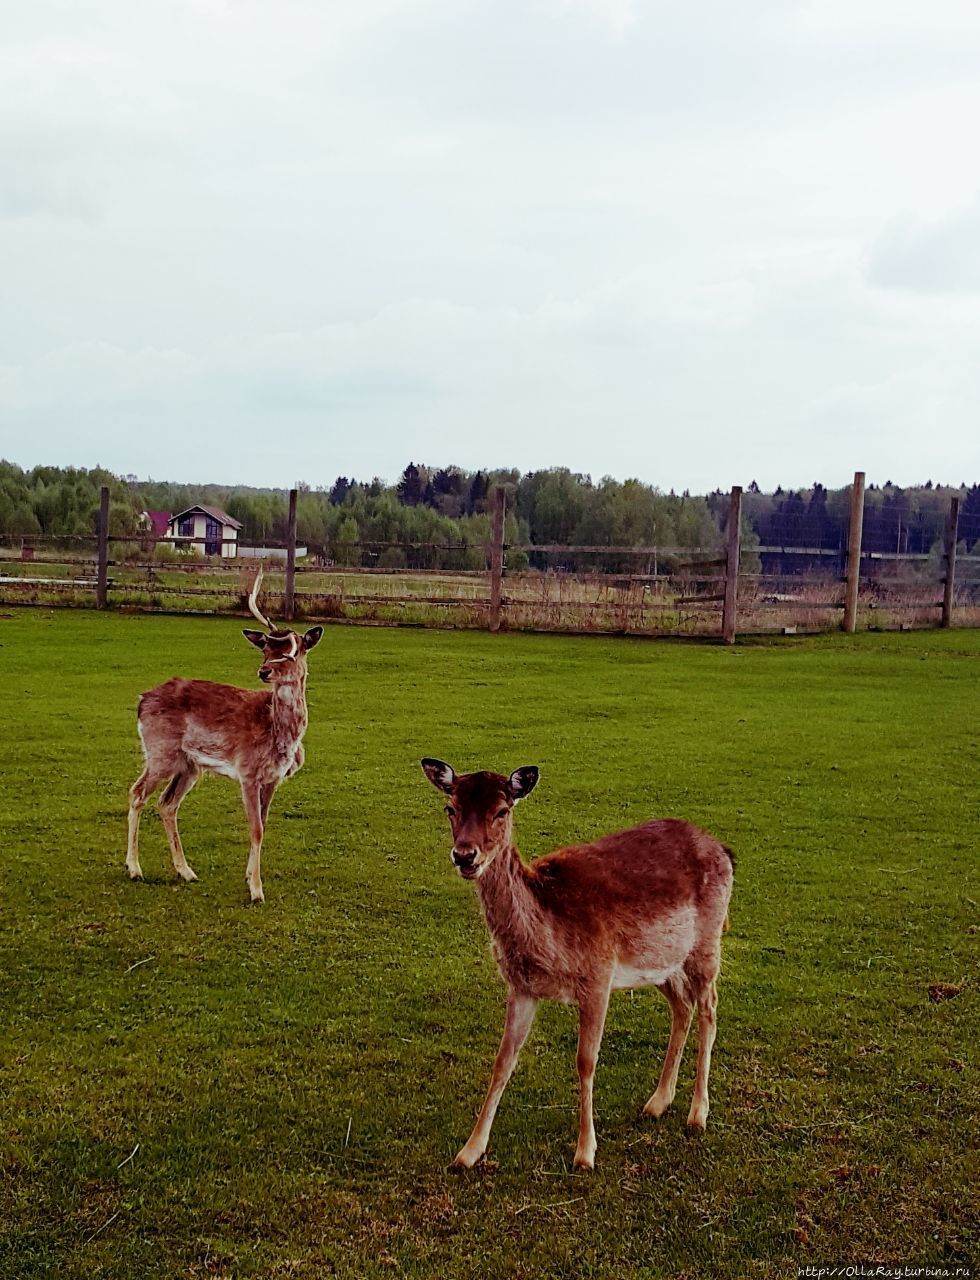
x=289 y=603
x=497 y=557
x=952 y=528
x=854 y=533
x=732 y=554
x=102 y=583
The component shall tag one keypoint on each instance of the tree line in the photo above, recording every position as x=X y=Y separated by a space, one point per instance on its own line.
x=440 y=518
x=909 y=521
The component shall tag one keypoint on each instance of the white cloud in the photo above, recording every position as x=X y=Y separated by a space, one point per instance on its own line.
x=930 y=257
x=614 y=16
x=695 y=243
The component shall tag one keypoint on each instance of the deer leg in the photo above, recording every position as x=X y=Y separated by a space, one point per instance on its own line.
x=592 y=1019
x=520 y=1015
x=139 y=793
x=680 y=1025
x=266 y=793
x=707 y=1004
x=178 y=787
x=252 y=799
x=298 y=758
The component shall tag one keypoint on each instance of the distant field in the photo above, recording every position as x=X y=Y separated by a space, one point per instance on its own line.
x=291 y=1081
x=685 y=604
x=533 y=601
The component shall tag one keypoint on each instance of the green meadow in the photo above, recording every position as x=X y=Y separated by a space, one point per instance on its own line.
x=191 y=1086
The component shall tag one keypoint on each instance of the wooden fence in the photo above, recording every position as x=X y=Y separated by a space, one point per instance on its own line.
x=705 y=591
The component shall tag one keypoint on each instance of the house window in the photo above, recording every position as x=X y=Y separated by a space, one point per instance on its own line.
x=185 y=527
x=212 y=534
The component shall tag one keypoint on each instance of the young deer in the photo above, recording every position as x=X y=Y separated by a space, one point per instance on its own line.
x=642 y=908
x=254 y=736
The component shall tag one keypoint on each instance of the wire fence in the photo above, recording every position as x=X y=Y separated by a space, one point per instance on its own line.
x=737 y=585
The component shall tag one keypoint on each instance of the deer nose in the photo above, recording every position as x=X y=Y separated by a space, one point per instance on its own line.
x=464 y=858
x=265 y=673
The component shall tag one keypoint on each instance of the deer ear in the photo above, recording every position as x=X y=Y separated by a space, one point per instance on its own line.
x=258 y=638
x=312 y=638
x=439 y=774
x=523 y=780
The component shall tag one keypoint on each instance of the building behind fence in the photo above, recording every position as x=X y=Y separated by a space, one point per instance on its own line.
x=723 y=590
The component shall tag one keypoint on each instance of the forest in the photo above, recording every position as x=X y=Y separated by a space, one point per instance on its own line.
x=438 y=517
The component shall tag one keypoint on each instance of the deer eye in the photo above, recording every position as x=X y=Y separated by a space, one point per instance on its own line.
x=451 y=811
x=501 y=813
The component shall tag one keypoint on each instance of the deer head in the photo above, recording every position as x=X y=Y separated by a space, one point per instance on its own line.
x=283 y=651
x=479 y=811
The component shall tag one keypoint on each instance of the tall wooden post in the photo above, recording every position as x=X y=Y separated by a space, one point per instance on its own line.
x=497 y=557
x=854 y=534
x=102 y=583
x=732 y=554
x=952 y=528
x=289 y=603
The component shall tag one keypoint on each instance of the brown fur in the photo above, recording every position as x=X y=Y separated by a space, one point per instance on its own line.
x=253 y=736
x=643 y=907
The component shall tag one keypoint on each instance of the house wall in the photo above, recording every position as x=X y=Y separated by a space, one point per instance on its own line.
x=229 y=535
x=229 y=544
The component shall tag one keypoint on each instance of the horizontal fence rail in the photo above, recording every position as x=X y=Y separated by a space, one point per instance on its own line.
x=725 y=588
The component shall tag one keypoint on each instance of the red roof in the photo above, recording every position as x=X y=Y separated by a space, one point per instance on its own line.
x=159 y=520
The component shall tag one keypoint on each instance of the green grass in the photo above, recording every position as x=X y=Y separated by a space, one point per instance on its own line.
x=299 y=1075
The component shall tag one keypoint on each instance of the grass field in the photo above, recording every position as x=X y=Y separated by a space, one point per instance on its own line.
x=194 y=1087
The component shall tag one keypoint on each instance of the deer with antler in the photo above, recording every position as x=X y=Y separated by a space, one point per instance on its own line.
x=254 y=736
x=642 y=908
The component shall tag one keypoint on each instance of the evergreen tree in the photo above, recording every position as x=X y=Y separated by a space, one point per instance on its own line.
x=411 y=486
x=339 y=490
x=479 y=488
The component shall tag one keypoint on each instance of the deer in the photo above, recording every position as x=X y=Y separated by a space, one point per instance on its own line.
x=641 y=908
x=255 y=736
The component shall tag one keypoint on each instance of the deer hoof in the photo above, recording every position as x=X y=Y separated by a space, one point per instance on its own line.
x=135 y=873
x=656 y=1106
x=467 y=1159
x=256 y=895
x=585 y=1163
x=697 y=1121
x=186 y=873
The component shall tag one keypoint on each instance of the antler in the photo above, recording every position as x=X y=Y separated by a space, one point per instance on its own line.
x=253 y=606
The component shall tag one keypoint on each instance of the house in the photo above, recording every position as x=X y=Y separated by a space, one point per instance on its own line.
x=156 y=523
x=207 y=530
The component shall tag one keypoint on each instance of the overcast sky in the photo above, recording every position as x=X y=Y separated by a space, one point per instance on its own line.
x=696 y=242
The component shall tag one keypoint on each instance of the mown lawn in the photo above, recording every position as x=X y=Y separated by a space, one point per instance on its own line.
x=295 y=1078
